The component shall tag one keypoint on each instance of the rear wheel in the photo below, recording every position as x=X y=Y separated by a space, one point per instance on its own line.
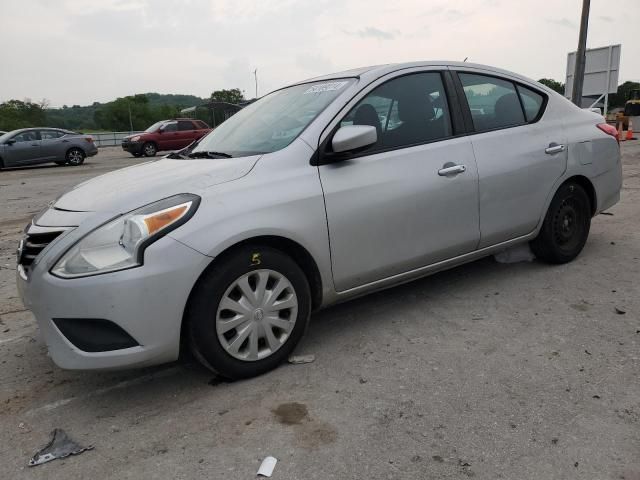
x=566 y=226
x=75 y=157
x=247 y=314
x=149 y=149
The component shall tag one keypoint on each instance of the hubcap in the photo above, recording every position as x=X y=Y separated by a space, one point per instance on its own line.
x=149 y=149
x=256 y=315
x=75 y=157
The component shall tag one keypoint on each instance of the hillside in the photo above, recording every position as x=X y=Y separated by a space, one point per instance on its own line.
x=115 y=114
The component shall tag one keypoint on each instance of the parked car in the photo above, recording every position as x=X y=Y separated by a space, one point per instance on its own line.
x=278 y=213
x=30 y=146
x=165 y=135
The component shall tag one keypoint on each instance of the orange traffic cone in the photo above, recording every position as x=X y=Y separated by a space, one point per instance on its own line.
x=630 y=131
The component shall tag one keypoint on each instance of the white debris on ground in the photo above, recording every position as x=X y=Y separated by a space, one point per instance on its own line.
x=267 y=466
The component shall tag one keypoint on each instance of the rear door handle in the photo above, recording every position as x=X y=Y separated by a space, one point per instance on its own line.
x=554 y=148
x=451 y=169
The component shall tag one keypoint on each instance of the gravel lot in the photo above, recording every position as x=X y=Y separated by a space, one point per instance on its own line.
x=521 y=371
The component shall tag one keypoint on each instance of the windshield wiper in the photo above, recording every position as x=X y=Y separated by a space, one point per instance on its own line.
x=209 y=154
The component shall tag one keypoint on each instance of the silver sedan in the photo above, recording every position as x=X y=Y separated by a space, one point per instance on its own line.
x=319 y=192
x=30 y=146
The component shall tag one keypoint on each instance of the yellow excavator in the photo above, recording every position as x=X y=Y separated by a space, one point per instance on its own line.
x=631 y=109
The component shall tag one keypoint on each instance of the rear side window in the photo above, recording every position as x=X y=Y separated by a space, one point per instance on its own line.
x=185 y=125
x=494 y=102
x=531 y=101
x=50 y=134
x=405 y=111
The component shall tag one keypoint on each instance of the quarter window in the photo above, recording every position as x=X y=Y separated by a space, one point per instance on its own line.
x=405 y=111
x=531 y=101
x=493 y=102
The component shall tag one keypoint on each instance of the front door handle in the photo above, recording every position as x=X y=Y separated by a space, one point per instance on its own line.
x=554 y=148
x=450 y=168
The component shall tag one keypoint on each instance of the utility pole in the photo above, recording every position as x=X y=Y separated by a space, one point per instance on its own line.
x=130 y=121
x=578 y=74
x=255 y=74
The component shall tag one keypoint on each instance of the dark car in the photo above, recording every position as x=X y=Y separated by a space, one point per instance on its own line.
x=29 y=146
x=165 y=135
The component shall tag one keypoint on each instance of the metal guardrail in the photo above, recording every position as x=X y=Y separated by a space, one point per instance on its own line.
x=109 y=139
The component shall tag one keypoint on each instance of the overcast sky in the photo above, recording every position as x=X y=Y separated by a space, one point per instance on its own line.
x=79 y=51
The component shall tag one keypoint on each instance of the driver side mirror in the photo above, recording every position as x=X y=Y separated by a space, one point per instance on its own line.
x=161 y=129
x=11 y=141
x=352 y=138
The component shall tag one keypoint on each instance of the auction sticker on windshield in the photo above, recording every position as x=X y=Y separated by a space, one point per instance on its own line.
x=325 y=87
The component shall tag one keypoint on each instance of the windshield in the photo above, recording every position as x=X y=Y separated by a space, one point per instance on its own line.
x=273 y=122
x=155 y=126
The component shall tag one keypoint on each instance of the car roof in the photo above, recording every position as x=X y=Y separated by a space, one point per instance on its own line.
x=376 y=71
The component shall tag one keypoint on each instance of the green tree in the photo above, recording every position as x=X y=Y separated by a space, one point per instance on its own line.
x=22 y=114
x=623 y=94
x=553 y=85
x=233 y=95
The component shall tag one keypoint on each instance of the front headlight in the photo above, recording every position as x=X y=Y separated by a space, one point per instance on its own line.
x=135 y=139
x=120 y=243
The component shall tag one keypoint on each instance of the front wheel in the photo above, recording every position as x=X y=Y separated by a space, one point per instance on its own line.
x=75 y=157
x=566 y=225
x=247 y=314
x=149 y=149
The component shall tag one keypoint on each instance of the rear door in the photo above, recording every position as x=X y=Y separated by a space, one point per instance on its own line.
x=168 y=139
x=187 y=133
x=52 y=145
x=393 y=208
x=24 y=151
x=520 y=155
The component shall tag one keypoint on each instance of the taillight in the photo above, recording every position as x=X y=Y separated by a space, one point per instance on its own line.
x=609 y=130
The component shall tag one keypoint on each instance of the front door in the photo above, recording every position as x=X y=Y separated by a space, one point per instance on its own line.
x=411 y=199
x=24 y=151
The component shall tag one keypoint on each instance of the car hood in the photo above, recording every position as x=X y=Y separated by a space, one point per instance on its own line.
x=129 y=188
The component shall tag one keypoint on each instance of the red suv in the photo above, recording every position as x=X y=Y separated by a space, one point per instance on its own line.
x=165 y=135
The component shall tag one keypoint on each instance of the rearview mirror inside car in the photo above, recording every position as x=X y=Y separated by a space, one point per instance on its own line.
x=353 y=137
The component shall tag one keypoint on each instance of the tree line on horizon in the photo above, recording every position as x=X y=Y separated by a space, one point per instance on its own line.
x=138 y=111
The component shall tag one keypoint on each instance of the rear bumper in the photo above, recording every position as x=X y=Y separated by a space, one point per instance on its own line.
x=91 y=151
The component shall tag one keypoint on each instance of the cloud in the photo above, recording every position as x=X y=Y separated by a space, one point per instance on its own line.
x=373 y=32
x=562 y=22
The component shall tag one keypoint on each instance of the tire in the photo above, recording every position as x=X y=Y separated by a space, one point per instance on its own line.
x=75 y=157
x=149 y=149
x=222 y=338
x=566 y=226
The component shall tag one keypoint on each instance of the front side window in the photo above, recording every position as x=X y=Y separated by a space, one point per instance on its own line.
x=493 y=102
x=30 y=136
x=170 y=127
x=274 y=121
x=407 y=110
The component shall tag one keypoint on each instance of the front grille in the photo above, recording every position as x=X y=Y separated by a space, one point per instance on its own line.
x=32 y=244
